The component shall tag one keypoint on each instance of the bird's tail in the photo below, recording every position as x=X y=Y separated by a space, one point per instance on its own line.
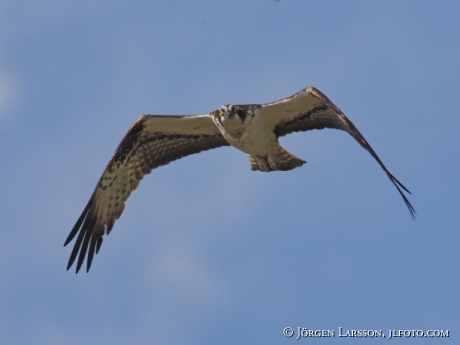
x=279 y=160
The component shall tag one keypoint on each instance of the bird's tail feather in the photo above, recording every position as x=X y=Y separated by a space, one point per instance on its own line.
x=280 y=160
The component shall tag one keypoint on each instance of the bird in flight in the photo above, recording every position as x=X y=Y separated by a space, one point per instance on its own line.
x=155 y=140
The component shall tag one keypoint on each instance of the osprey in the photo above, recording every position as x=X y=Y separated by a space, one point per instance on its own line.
x=155 y=140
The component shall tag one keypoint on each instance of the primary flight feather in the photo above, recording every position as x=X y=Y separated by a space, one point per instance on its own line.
x=155 y=140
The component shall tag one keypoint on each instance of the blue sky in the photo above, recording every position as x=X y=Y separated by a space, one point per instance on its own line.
x=208 y=251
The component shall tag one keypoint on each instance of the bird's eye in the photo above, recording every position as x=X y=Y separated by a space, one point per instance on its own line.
x=221 y=111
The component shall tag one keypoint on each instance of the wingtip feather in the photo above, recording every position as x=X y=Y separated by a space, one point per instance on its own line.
x=77 y=225
x=408 y=204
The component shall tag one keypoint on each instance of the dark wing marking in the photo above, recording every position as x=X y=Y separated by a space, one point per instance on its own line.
x=311 y=109
x=151 y=141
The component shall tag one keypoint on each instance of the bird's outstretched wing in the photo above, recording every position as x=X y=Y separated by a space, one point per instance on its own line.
x=311 y=109
x=152 y=141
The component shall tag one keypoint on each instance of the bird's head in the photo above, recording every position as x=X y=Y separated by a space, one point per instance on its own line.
x=231 y=112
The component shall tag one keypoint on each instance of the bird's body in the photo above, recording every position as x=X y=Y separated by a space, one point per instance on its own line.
x=252 y=136
x=155 y=140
